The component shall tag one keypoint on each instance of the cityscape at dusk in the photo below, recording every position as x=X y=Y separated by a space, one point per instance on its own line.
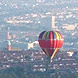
x=21 y=22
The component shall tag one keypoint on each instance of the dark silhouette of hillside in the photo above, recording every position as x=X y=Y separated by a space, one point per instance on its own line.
x=19 y=72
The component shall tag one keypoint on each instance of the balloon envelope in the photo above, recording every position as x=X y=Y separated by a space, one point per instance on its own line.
x=50 y=42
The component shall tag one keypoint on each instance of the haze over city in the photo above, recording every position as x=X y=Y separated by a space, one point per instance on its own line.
x=24 y=20
x=21 y=22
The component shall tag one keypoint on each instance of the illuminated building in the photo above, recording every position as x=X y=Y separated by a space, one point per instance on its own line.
x=53 y=22
x=69 y=27
x=12 y=49
x=9 y=46
x=8 y=35
x=32 y=44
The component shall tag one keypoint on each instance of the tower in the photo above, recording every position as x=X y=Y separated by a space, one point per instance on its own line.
x=8 y=34
x=9 y=46
x=53 y=22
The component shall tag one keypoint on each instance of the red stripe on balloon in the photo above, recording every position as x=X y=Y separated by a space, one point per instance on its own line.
x=50 y=43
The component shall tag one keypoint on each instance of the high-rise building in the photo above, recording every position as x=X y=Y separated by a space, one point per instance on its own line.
x=53 y=22
x=9 y=46
x=8 y=35
x=32 y=44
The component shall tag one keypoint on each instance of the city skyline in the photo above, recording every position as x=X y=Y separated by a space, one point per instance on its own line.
x=21 y=24
x=35 y=18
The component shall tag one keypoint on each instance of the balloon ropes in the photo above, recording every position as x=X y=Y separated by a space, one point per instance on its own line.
x=50 y=42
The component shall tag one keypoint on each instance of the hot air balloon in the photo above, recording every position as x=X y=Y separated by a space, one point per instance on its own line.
x=50 y=42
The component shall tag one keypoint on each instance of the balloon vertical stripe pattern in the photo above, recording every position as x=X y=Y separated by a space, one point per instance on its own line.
x=50 y=42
